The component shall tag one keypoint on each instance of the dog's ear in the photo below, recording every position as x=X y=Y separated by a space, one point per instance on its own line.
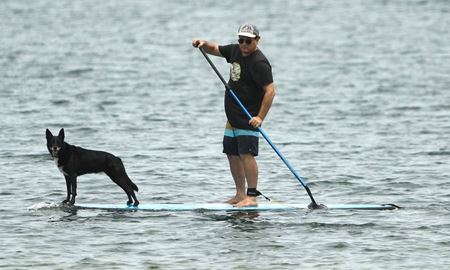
x=48 y=134
x=61 y=135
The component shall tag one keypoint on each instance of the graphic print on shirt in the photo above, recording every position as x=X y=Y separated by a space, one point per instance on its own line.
x=235 y=72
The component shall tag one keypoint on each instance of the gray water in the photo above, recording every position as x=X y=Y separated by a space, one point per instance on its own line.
x=362 y=112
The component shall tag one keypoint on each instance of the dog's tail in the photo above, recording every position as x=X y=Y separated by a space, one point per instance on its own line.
x=133 y=185
x=125 y=179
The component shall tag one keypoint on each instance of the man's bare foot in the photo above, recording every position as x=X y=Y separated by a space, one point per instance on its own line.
x=235 y=200
x=248 y=201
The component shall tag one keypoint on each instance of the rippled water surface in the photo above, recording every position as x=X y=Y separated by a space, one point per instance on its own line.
x=362 y=111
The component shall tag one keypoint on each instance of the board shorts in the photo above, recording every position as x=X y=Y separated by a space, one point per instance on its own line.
x=240 y=141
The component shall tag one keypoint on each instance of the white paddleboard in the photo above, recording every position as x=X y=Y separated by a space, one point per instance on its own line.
x=228 y=207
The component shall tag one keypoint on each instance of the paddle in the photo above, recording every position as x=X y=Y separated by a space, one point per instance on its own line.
x=313 y=204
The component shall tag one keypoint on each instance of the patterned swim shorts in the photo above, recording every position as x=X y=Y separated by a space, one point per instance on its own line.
x=240 y=141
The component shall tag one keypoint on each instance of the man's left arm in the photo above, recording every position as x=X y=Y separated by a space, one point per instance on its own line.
x=269 y=94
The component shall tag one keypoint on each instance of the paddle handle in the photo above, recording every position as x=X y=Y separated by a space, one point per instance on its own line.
x=263 y=133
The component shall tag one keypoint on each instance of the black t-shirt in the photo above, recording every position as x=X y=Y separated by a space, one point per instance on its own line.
x=248 y=75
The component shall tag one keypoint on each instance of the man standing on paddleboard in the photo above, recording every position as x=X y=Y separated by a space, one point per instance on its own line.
x=251 y=80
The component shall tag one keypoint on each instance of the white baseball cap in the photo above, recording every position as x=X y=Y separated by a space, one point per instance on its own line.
x=248 y=30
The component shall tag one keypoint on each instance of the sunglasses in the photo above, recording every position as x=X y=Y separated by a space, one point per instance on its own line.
x=247 y=41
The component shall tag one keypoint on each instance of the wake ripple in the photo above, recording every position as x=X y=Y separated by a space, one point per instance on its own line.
x=45 y=205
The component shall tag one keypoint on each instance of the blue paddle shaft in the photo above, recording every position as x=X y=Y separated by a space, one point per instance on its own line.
x=263 y=133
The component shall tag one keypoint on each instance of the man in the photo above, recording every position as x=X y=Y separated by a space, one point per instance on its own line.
x=251 y=80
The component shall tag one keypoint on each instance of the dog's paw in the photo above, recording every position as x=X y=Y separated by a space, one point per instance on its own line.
x=129 y=203
x=136 y=203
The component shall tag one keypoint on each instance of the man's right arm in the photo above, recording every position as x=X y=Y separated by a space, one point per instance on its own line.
x=209 y=47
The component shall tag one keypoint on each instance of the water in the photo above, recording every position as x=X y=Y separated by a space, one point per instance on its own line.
x=362 y=111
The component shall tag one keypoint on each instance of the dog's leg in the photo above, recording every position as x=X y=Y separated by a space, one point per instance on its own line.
x=136 y=202
x=73 y=182
x=130 y=193
x=68 y=187
x=116 y=171
x=130 y=201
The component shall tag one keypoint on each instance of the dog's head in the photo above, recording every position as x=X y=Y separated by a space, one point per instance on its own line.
x=55 y=143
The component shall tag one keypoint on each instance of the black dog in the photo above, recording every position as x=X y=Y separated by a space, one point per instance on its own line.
x=74 y=161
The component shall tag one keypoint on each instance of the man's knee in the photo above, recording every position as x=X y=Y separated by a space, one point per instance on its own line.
x=247 y=158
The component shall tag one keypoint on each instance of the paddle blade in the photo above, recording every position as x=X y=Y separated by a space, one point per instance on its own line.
x=314 y=206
